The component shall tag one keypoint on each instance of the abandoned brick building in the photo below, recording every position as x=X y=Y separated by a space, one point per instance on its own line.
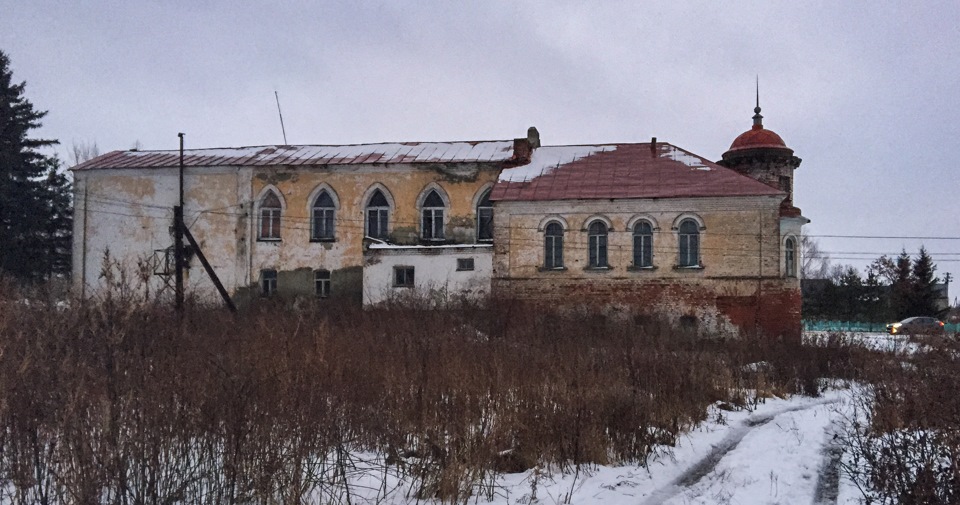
x=644 y=227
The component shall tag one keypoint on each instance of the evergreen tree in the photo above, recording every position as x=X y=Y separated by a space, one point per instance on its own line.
x=923 y=301
x=32 y=212
x=901 y=289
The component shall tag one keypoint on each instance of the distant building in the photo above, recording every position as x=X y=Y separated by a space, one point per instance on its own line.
x=640 y=228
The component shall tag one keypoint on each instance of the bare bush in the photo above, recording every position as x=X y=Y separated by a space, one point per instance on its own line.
x=133 y=403
x=903 y=442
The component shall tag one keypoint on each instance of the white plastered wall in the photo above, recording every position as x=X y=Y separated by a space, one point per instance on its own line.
x=436 y=277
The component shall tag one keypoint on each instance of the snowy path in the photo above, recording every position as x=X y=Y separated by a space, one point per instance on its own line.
x=730 y=470
x=781 y=453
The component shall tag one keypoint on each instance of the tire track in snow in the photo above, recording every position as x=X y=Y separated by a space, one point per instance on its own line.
x=828 y=478
x=705 y=465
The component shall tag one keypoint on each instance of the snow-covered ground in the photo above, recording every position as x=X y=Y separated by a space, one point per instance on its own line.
x=780 y=453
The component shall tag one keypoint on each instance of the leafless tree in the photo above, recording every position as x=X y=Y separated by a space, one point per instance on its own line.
x=83 y=151
x=816 y=263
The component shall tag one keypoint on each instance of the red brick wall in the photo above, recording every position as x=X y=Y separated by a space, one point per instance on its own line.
x=720 y=305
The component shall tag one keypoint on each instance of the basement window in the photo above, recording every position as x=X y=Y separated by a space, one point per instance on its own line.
x=464 y=264
x=403 y=277
x=268 y=282
x=321 y=281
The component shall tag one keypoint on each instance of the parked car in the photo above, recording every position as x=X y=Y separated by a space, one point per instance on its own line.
x=916 y=326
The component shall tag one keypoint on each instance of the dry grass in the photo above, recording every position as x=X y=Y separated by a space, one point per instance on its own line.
x=117 y=402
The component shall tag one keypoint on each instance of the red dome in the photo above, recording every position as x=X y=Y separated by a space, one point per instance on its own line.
x=757 y=137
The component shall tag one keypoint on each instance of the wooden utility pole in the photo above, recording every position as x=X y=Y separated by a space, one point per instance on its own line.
x=178 y=235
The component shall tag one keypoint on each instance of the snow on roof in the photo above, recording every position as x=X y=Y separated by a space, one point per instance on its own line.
x=546 y=159
x=684 y=157
x=403 y=152
x=644 y=170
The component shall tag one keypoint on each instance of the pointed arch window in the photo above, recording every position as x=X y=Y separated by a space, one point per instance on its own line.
x=271 y=211
x=431 y=224
x=322 y=217
x=642 y=245
x=485 y=218
x=790 y=257
x=689 y=235
x=378 y=215
x=597 y=234
x=553 y=246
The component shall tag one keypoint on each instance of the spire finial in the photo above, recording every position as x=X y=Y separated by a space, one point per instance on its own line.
x=757 y=118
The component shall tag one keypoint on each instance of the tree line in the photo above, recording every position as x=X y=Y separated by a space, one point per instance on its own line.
x=891 y=289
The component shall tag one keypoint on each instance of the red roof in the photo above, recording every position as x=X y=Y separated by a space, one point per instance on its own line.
x=622 y=171
x=756 y=138
x=403 y=152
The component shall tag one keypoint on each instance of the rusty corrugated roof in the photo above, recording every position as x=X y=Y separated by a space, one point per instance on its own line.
x=621 y=171
x=406 y=152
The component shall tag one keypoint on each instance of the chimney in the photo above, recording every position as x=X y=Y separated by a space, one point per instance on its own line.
x=653 y=146
x=533 y=136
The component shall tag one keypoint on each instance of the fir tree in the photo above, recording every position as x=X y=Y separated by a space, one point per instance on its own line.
x=924 y=299
x=34 y=198
x=901 y=289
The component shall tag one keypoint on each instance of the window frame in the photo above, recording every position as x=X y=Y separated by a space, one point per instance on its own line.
x=790 y=257
x=686 y=259
x=328 y=233
x=598 y=237
x=644 y=250
x=321 y=283
x=408 y=274
x=268 y=282
x=553 y=246
x=485 y=223
x=382 y=213
x=269 y=217
x=432 y=228
x=466 y=264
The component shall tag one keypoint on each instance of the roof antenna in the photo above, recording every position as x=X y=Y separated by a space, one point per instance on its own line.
x=757 y=118
x=275 y=94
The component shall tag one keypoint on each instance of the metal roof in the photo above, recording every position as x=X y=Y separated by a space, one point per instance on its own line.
x=404 y=152
x=607 y=171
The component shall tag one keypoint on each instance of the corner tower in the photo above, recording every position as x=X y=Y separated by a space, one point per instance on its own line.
x=761 y=154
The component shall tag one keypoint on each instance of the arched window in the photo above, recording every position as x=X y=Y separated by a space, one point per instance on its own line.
x=790 y=257
x=689 y=235
x=378 y=215
x=322 y=217
x=431 y=224
x=553 y=246
x=642 y=245
x=598 y=244
x=485 y=218
x=270 y=212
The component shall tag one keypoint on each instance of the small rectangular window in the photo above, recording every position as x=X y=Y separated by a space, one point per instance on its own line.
x=268 y=282
x=464 y=264
x=321 y=281
x=403 y=277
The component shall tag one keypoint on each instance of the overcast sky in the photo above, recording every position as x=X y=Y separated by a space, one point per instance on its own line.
x=867 y=94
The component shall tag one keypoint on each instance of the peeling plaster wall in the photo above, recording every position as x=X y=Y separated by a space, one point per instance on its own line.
x=461 y=184
x=436 y=276
x=130 y=214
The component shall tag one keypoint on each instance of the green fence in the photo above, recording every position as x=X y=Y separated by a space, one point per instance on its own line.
x=809 y=325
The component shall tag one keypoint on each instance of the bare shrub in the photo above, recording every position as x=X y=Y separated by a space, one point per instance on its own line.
x=904 y=440
x=131 y=402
